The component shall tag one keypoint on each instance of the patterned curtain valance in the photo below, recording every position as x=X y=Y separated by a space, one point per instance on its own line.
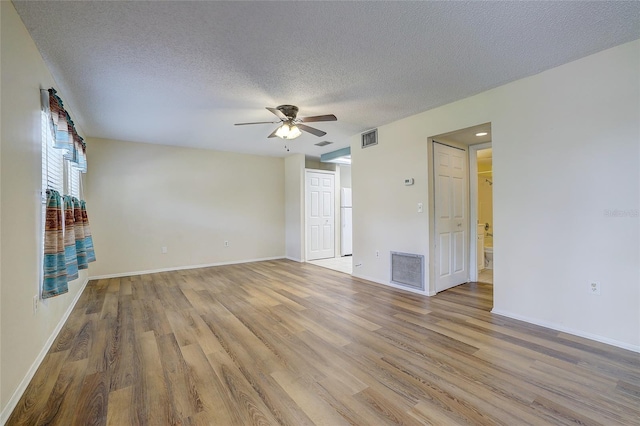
x=65 y=134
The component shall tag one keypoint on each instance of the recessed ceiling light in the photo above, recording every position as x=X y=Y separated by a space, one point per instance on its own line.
x=482 y=134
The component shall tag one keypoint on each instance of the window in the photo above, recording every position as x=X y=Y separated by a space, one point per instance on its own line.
x=73 y=181
x=63 y=159
x=52 y=161
x=54 y=166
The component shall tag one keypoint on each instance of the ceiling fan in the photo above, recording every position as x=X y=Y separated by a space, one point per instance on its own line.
x=291 y=125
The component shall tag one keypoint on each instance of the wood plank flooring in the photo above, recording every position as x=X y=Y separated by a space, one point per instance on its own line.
x=283 y=343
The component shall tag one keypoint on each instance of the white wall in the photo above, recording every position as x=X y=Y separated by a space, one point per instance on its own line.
x=24 y=335
x=294 y=209
x=345 y=176
x=385 y=216
x=310 y=163
x=2 y=404
x=552 y=237
x=142 y=197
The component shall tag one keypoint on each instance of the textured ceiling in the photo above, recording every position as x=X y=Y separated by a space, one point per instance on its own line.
x=182 y=73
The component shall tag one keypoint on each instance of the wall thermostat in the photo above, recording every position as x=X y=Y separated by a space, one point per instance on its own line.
x=408 y=181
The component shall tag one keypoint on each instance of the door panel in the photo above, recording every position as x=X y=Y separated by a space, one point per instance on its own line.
x=458 y=198
x=314 y=238
x=320 y=220
x=458 y=255
x=327 y=237
x=327 y=205
x=451 y=216
x=315 y=205
x=444 y=196
x=445 y=252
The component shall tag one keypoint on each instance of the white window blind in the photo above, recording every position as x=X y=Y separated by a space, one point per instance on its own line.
x=52 y=161
x=73 y=179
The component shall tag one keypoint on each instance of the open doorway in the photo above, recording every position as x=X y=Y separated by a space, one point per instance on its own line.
x=456 y=252
x=340 y=258
x=481 y=184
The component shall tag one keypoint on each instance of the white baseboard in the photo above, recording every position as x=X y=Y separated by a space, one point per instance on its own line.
x=295 y=259
x=180 y=268
x=15 y=398
x=388 y=284
x=568 y=330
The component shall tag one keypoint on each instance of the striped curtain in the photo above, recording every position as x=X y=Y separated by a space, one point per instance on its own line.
x=70 y=239
x=88 y=239
x=83 y=240
x=81 y=251
x=55 y=269
x=65 y=135
x=68 y=245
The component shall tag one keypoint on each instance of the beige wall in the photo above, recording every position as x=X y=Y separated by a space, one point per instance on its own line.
x=384 y=210
x=142 y=197
x=294 y=200
x=316 y=164
x=23 y=335
x=345 y=176
x=552 y=236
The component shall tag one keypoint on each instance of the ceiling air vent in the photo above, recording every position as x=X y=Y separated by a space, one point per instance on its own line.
x=323 y=143
x=370 y=138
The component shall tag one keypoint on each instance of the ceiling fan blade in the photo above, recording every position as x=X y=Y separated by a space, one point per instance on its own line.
x=328 y=117
x=278 y=113
x=273 y=134
x=257 y=122
x=311 y=130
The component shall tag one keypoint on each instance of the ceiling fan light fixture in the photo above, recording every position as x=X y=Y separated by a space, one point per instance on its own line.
x=294 y=132
x=283 y=131
x=291 y=127
x=288 y=131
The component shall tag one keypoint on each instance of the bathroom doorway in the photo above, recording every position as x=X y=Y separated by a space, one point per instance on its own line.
x=484 y=209
x=472 y=140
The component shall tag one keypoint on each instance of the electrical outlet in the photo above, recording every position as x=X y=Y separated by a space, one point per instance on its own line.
x=164 y=250
x=226 y=243
x=594 y=288
x=36 y=301
x=377 y=253
x=420 y=207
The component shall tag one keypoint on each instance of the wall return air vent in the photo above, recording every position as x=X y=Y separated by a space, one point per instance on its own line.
x=407 y=270
x=370 y=138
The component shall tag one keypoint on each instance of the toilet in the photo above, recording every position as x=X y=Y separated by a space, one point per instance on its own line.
x=488 y=257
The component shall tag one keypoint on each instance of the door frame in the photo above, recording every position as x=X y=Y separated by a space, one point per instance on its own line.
x=336 y=210
x=432 y=210
x=473 y=205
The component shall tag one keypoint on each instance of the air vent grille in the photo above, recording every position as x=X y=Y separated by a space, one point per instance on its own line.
x=323 y=143
x=407 y=270
x=370 y=138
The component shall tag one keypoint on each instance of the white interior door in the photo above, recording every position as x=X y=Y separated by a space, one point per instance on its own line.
x=320 y=216
x=451 y=216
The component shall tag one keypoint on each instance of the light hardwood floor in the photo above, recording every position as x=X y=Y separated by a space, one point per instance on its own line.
x=294 y=344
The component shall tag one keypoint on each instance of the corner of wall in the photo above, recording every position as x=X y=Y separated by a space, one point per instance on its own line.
x=15 y=398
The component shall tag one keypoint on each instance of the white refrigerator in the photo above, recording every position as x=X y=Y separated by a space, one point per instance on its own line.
x=346 y=222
